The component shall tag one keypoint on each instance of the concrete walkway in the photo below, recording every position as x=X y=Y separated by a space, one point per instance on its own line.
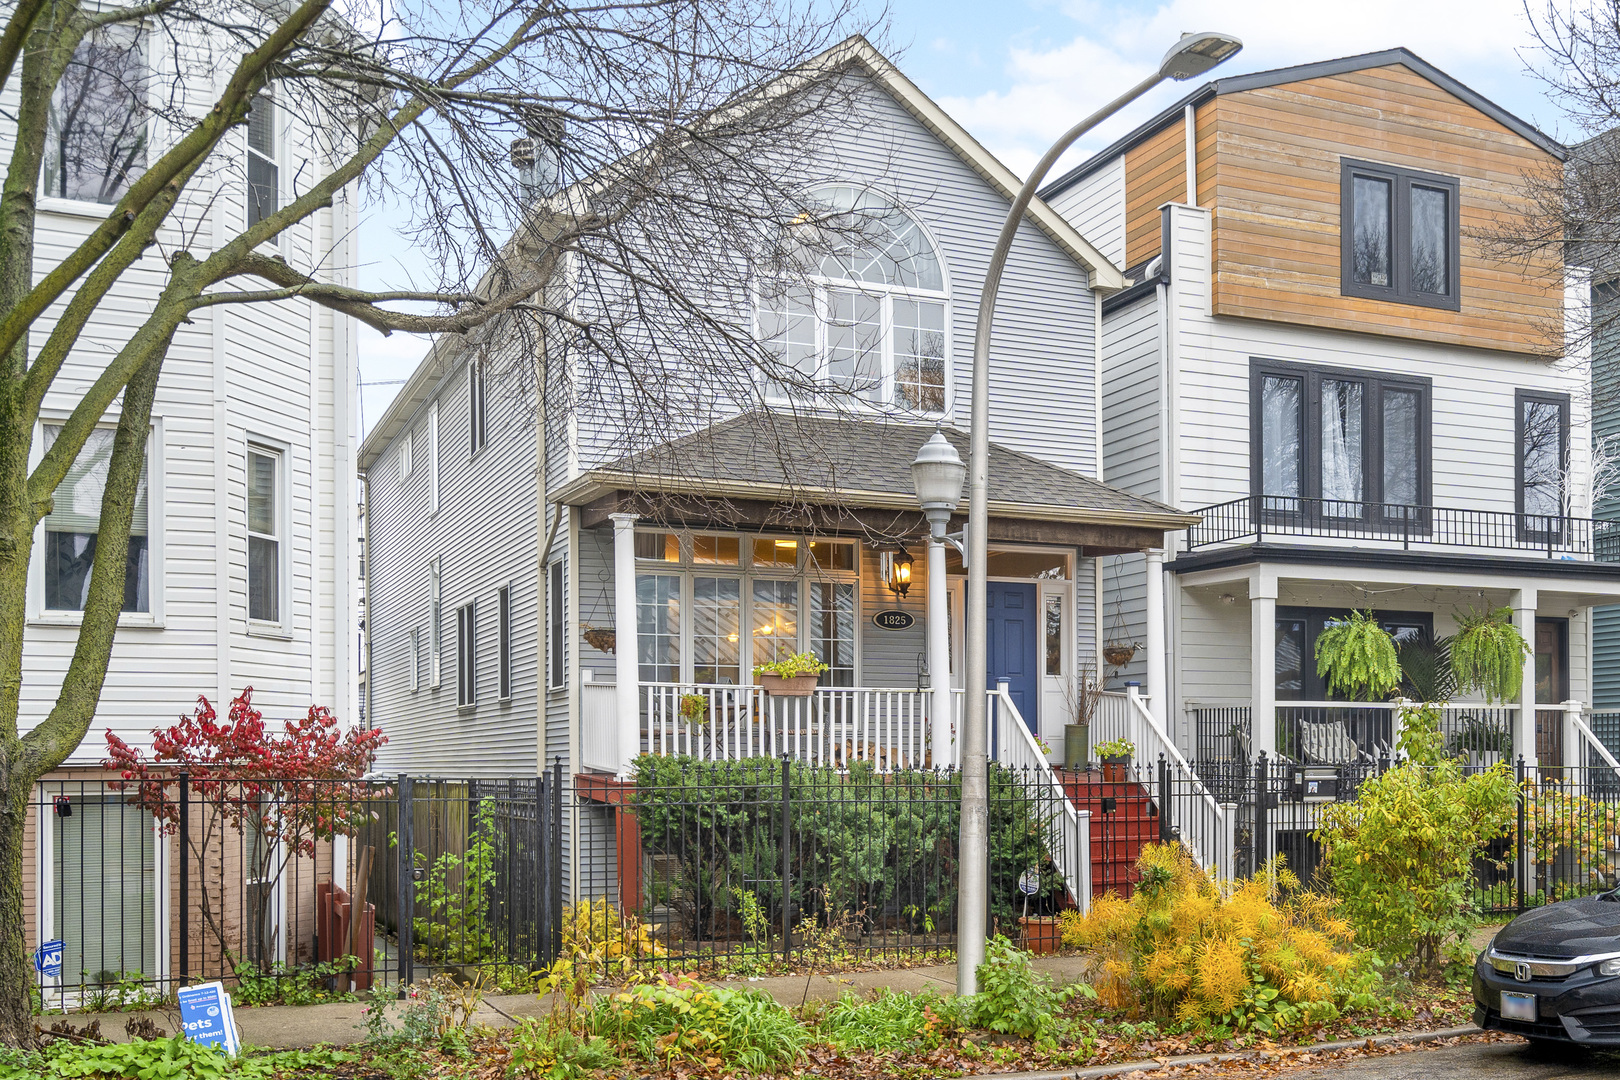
x=287 y=1026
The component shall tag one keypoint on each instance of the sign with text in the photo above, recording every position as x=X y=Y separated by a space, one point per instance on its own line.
x=894 y=619
x=48 y=959
x=206 y=1018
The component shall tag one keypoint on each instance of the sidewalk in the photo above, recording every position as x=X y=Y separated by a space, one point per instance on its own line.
x=284 y=1027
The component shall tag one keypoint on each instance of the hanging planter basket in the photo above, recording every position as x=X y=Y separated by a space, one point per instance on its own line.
x=601 y=638
x=1118 y=655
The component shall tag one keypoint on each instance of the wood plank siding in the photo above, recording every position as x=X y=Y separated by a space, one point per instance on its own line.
x=1269 y=169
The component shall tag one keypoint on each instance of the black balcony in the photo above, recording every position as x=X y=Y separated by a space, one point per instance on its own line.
x=1404 y=527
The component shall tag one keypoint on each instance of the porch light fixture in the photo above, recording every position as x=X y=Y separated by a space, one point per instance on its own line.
x=1190 y=56
x=897 y=571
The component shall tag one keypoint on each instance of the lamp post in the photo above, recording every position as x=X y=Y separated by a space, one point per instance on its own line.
x=1193 y=55
x=936 y=477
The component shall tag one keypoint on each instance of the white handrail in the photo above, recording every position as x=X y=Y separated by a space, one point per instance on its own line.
x=1592 y=741
x=1150 y=743
x=1071 y=848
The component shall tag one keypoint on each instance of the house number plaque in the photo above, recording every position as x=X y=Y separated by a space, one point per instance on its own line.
x=894 y=619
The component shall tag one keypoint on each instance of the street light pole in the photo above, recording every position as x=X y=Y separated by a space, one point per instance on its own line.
x=1192 y=55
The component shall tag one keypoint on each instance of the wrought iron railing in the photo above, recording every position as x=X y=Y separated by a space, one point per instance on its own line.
x=1251 y=520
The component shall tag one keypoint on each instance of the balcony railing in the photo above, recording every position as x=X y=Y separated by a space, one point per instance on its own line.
x=1403 y=526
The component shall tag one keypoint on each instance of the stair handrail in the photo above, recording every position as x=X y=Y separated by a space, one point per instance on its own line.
x=1592 y=741
x=1151 y=743
x=1021 y=751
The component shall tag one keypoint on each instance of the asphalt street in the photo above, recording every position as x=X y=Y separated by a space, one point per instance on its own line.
x=1469 y=1061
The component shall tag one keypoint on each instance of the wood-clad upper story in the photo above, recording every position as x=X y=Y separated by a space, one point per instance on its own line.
x=1271 y=167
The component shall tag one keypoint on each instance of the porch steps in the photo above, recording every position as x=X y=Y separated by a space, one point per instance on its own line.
x=1124 y=819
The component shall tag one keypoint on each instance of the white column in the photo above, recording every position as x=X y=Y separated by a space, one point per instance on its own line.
x=939 y=659
x=1574 y=747
x=1524 y=733
x=1158 y=642
x=628 y=691
x=1263 y=664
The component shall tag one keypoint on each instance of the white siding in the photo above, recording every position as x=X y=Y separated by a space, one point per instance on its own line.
x=1096 y=207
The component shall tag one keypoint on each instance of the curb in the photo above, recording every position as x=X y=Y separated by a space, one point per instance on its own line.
x=1125 y=1068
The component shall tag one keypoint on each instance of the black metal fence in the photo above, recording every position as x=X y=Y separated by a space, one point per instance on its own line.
x=374 y=884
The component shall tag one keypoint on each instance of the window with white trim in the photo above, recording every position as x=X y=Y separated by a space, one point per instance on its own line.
x=467 y=655
x=503 y=642
x=75 y=520
x=405 y=456
x=95 y=135
x=263 y=160
x=433 y=457
x=264 y=534
x=559 y=646
x=416 y=658
x=435 y=624
x=477 y=430
x=872 y=321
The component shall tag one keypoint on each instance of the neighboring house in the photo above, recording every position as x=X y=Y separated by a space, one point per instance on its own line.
x=241 y=566
x=1321 y=358
x=516 y=624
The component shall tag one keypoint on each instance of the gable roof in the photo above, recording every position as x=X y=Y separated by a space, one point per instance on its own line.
x=783 y=457
x=1299 y=73
x=854 y=51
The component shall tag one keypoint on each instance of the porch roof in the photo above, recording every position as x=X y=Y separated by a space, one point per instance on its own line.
x=858 y=464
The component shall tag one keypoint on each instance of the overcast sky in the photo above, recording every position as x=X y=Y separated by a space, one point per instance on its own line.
x=1017 y=73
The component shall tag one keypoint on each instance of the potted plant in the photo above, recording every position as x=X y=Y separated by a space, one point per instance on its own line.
x=1042 y=934
x=794 y=676
x=1081 y=698
x=1358 y=657
x=1116 y=757
x=695 y=709
x=1488 y=654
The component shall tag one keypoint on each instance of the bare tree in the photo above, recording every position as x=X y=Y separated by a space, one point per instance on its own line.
x=666 y=145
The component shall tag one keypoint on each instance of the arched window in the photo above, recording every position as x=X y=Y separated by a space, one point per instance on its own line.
x=872 y=319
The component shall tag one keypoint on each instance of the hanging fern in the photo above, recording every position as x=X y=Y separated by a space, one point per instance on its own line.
x=1358 y=658
x=1488 y=654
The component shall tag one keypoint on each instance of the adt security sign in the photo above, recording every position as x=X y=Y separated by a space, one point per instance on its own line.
x=206 y=1018
x=48 y=959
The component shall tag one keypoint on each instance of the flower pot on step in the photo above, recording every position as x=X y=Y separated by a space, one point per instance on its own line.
x=1042 y=934
x=789 y=686
x=1116 y=770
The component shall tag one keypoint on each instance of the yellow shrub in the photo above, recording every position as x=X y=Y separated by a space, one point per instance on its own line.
x=596 y=936
x=1262 y=954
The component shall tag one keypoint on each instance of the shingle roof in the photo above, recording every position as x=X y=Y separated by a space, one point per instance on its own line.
x=862 y=462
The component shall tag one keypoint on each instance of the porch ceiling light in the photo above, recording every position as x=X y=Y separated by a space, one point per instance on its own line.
x=936 y=476
x=1195 y=54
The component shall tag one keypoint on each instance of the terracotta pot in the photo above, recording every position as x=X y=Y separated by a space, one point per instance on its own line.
x=1116 y=770
x=790 y=686
x=1042 y=934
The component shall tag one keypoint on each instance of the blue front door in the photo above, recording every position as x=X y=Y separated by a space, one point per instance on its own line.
x=1010 y=613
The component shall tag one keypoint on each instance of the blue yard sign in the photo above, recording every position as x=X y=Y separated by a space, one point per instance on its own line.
x=48 y=959
x=205 y=1016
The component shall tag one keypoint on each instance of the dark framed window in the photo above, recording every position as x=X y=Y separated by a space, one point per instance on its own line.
x=1541 y=438
x=559 y=648
x=1297 y=631
x=477 y=430
x=503 y=640
x=1336 y=445
x=1398 y=235
x=466 y=655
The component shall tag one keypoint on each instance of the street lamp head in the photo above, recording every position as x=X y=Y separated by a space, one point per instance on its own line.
x=1195 y=54
x=936 y=477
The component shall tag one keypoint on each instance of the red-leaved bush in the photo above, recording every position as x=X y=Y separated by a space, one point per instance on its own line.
x=282 y=794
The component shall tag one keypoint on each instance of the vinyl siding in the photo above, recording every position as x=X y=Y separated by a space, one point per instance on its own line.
x=1096 y=207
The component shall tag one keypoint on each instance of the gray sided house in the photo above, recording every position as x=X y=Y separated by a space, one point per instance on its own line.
x=544 y=592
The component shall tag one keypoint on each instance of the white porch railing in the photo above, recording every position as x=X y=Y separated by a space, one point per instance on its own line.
x=598 y=727
x=1068 y=831
x=1207 y=828
x=1112 y=719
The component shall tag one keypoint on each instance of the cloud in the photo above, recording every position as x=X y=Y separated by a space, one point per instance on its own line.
x=1052 y=85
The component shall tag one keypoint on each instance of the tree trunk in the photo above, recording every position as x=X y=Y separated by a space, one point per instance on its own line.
x=16 y=967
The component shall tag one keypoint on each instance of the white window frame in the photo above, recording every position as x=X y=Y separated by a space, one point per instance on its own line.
x=503 y=642
x=822 y=286
x=38 y=613
x=414 y=643
x=81 y=208
x=556 y=585
x=477 y=412
x=278 y=150
x=746 y=572
x=435 y=623
x=433 y=458
x=282 y=624
x=467 y=655
x=405 y=462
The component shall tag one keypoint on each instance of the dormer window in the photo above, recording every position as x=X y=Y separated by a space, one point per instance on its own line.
x=871 y=321
x=1399 y=235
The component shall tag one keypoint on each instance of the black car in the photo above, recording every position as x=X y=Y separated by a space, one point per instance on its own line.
x=1553 y=974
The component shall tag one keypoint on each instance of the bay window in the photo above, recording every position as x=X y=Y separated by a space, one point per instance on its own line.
x=748 y=601
x=872 y=322
x=1332 y=445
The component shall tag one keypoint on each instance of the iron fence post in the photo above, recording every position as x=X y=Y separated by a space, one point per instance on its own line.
x=787 y=866
x=1522 y=855
x=405 y=898
x=1262 y=796
x=542 y=871
x=1165 y=830
x=185 y=877
x=555 y=928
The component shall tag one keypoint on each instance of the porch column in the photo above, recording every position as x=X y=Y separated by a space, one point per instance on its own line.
x=1263 y=665
x=627 y=694
x=939 y=658
x=1158 y=642
x=1524 y=732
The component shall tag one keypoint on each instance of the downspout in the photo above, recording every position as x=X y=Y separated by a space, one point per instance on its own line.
x=365 y=583
x=1096 y=561
x=542 y=592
